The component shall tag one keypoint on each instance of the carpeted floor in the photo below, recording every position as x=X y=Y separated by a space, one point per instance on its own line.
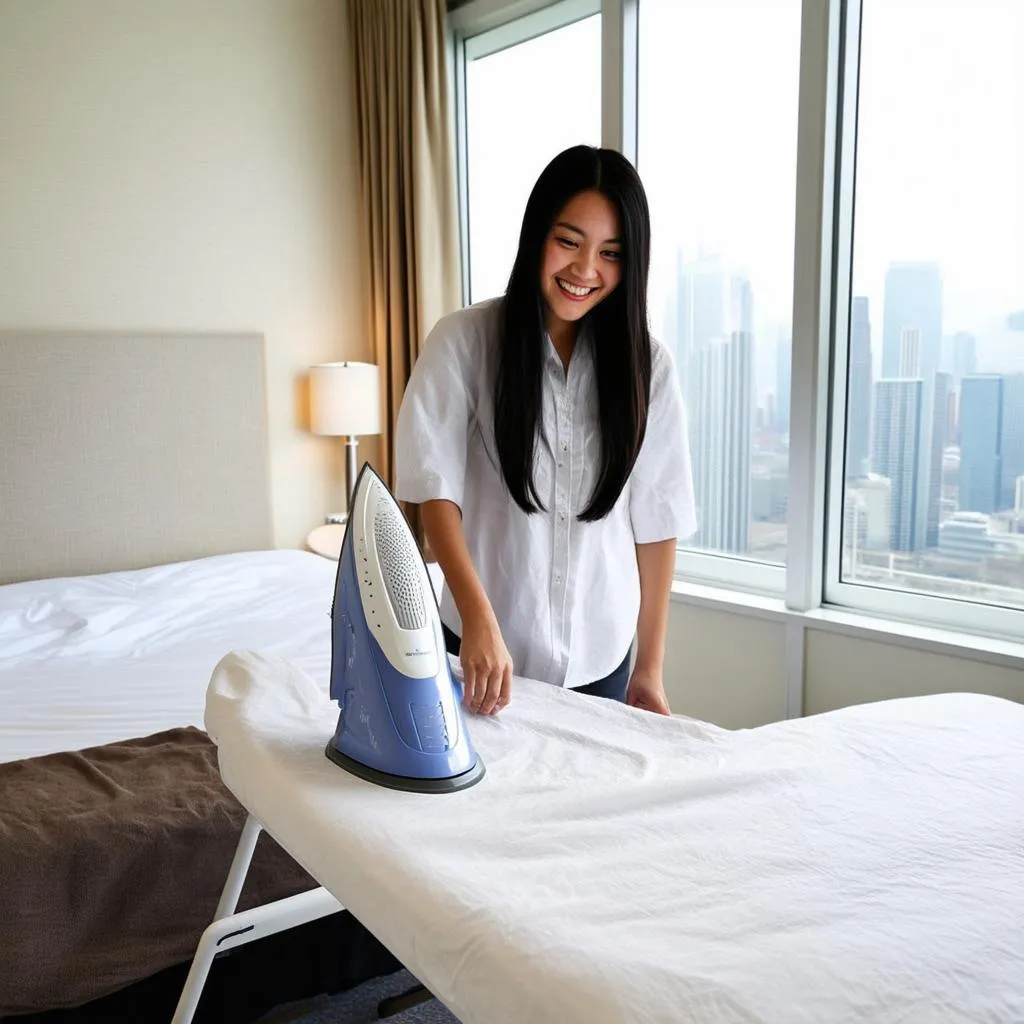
x=359 y=1006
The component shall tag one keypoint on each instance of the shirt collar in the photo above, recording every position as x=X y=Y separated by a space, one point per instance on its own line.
x=581 y=351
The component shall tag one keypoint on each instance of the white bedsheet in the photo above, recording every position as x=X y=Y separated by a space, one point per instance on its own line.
x=865 y=865
x=94 y=659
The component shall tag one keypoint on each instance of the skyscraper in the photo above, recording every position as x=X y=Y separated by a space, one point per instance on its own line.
x=867 y=517
x=943 y=390
x=952 y=423
x=716 y=347
x=913 y=298
x=965 y=356
x=965 y=535
x=711 y=304
x=721 y=441
x=858 y=399
x=1012 y=443
x=895 y=454
x=910 y=353
x=981 y=434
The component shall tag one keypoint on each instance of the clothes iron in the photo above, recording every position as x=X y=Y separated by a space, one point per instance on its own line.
x=400 y=722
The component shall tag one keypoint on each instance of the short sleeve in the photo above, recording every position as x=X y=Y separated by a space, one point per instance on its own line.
x=433 y=420
x=661 y=503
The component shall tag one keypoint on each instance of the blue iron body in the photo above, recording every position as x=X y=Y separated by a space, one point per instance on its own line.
x=400 y=721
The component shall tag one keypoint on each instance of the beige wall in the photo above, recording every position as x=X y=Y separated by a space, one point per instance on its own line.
x=850 y=670
x=731 y=669
x=725 y=668
x=189 y=165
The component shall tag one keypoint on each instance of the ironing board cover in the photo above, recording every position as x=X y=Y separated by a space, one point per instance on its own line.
x=614 y=865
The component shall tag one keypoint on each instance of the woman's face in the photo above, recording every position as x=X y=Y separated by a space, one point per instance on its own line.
x=582 y=261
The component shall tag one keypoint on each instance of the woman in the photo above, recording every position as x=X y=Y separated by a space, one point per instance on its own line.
x=544 y=436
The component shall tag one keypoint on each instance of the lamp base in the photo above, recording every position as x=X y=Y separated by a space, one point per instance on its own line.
x=351 y=445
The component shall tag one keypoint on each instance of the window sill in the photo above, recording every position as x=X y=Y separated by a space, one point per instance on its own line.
x=830 y=619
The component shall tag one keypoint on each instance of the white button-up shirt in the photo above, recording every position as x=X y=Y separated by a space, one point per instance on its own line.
x=566 y=593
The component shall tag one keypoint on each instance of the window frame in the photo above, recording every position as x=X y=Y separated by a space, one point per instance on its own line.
x=811 y=580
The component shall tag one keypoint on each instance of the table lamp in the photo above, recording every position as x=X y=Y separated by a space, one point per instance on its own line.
x=344 y=401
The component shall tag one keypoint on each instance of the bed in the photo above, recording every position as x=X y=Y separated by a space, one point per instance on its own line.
x=613 y=865
x=135 y=550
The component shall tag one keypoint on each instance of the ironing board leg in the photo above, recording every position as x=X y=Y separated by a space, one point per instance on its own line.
x=239 y=868
x=200 y=968
x=229 y=929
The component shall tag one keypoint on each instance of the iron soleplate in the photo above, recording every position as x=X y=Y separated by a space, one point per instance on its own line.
x=404 y=782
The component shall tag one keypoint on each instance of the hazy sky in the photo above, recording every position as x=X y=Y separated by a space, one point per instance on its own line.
x=940 y=146
x=941 y=152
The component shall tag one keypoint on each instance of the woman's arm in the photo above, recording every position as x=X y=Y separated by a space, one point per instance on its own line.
x=656 y=562
x=434 y=422
x=486 y=663
x=662 y=511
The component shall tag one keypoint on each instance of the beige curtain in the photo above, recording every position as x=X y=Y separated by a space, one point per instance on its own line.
x=407 y=178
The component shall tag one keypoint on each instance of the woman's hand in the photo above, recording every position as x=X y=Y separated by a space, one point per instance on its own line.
x=656 y=562
x=647 y=692
x=486 y=664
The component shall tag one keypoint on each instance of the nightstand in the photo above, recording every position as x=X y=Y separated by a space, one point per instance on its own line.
x=326 y=540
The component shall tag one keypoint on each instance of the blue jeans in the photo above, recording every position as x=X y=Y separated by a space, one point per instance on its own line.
x=613 y=686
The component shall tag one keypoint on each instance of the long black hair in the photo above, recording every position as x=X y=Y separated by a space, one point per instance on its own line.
x=618 y=326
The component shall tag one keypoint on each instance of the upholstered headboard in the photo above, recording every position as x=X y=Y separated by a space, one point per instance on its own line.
x=120 y=451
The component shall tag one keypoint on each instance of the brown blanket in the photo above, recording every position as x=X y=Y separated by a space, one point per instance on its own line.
x=112 y=861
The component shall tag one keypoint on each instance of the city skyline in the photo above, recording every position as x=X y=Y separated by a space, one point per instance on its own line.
x=956 y=353
x=933 y=452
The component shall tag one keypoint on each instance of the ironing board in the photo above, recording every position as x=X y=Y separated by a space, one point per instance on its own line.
x=615 y=865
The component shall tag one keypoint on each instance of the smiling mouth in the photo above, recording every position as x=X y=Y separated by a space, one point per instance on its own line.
x=574 y=292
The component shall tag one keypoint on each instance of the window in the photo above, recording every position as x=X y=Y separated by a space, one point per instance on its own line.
x=837 y=266
x=717 y=108
x=934 y=383
x=527 y=97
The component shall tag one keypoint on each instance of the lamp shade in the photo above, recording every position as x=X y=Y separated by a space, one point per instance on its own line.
x=344 y=399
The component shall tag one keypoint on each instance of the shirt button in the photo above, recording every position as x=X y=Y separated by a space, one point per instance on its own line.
x=565 y=447
x=558 y=577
